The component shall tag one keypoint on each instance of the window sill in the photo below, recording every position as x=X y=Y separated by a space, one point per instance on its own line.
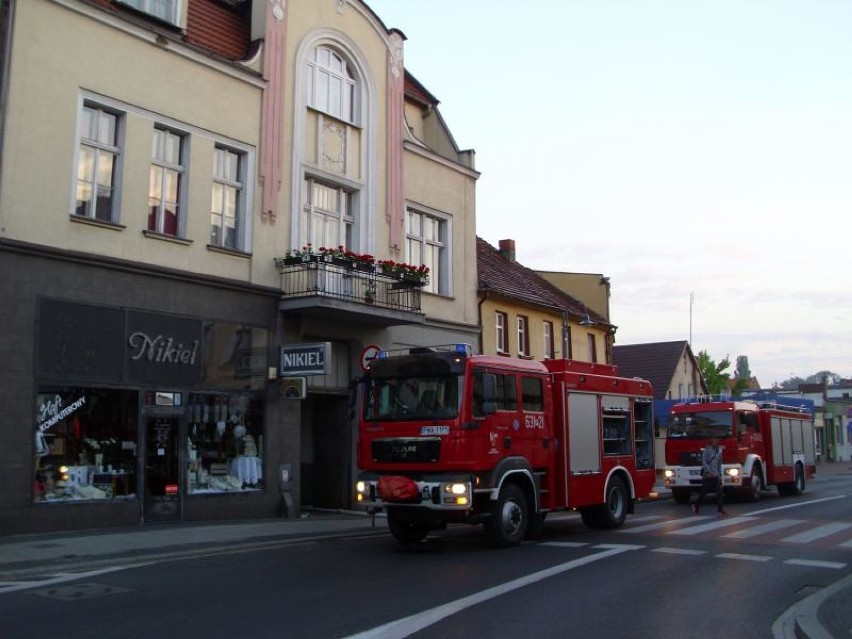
x=79 y=219
x=525 y=356
x=503 y=354
x=227 y=251
x=166 y=238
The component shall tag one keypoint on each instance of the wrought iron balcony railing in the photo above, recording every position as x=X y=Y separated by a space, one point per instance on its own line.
x=350 y=281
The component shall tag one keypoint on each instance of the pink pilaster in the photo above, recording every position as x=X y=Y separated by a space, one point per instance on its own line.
x=395 y=178
x=271 y=121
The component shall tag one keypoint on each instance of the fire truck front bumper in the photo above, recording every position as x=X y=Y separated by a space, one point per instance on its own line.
x=689 y=477
x=438 y=493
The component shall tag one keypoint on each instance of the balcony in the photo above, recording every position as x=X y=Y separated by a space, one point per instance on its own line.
x=319 y=285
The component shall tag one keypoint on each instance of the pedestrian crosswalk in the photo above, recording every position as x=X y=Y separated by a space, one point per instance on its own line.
x=752 y=527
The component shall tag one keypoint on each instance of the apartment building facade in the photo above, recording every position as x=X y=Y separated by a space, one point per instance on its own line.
x=161 y=161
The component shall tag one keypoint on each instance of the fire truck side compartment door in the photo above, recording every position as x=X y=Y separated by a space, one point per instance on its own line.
x=584 y=442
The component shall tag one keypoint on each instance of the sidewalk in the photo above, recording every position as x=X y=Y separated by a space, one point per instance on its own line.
x=23 y=555
x=823 y=615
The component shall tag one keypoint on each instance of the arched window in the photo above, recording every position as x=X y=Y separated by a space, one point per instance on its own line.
x=332 y=87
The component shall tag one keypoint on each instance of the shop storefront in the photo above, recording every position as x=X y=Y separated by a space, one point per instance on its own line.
x=149 y=413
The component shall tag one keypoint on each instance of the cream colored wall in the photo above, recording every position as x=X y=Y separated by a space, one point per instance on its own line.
x=685 y=374
x=448 y=191
x=51 y=70
x=588 y=288
x=580 y=343
x=360 y=32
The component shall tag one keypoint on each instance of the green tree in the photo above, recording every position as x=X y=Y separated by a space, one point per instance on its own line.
x=714 y=374
x=742 y=370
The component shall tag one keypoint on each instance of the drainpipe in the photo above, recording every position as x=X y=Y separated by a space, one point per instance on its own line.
x=479 y=312
x=7 y=7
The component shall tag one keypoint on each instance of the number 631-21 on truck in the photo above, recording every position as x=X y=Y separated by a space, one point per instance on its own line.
x=447 y=436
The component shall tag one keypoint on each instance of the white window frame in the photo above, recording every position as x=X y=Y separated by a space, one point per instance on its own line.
x=500 y=340
x=99 y=148
x=593 y=347
x=321 y=79
x=239 y=185
x=313 y=214
x=171 y=13
x=547 y=339
x=523 y=335
x=166 y=167
x=417 y=246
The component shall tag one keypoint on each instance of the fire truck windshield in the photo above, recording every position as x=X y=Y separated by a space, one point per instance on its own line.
x=412 y=398
x=700 y=425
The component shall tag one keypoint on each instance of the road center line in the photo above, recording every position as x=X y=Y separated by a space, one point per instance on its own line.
x=402 y=628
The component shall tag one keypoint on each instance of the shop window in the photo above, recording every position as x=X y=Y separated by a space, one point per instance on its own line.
x=85 y=444
x=225 y=449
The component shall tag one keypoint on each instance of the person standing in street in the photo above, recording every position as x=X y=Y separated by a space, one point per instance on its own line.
x=711 y=476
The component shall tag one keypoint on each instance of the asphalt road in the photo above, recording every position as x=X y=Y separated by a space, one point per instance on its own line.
x=667 y=573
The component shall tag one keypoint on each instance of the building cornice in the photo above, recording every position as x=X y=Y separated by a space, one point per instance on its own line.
x=136 y=268
x=434 y=157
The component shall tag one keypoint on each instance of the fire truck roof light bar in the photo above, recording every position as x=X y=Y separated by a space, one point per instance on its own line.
x=463 y=350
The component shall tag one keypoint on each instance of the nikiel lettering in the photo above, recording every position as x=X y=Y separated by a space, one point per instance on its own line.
x=303 y=359
x=162 y=350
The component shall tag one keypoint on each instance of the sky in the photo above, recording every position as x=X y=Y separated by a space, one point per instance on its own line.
x=698 y=153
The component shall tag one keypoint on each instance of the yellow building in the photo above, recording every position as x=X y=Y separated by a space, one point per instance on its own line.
x=523 y=315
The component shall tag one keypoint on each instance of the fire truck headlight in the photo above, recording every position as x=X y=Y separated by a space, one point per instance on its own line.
x=668 y=473
x=361 y=487
x=733 y=472
x=456 y=494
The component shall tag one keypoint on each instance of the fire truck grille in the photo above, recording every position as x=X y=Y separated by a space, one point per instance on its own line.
x=690 y=459
x=406 y=450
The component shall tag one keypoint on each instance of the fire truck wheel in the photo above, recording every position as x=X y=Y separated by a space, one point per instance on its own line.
x=612 y=514
x=799 y=481
x=795 y=487
x=680 y=495
x=755 y=486
x=406 y=532
x=509 y=519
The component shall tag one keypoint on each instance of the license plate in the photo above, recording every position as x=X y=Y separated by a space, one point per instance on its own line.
x=434 y=430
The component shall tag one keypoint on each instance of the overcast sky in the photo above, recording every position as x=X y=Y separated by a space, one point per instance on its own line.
x=677 y=147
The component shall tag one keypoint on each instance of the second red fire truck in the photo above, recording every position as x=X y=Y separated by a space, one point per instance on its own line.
x=448 y=436
x=763 y=444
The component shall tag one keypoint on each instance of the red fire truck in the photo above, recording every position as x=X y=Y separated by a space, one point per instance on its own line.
x=763 y=444
x=448 y=436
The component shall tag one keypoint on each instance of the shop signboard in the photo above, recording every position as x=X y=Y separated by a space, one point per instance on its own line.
x=305 y=359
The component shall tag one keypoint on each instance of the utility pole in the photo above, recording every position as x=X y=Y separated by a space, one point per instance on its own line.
x=691 y=300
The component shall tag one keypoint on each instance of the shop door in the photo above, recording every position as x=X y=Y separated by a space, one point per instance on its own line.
x=162 y=495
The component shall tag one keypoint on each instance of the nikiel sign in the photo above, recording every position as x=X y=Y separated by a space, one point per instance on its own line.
x=305 y=359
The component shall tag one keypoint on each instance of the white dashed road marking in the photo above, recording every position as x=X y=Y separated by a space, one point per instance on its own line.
x=733 y=555
x=814 y=563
